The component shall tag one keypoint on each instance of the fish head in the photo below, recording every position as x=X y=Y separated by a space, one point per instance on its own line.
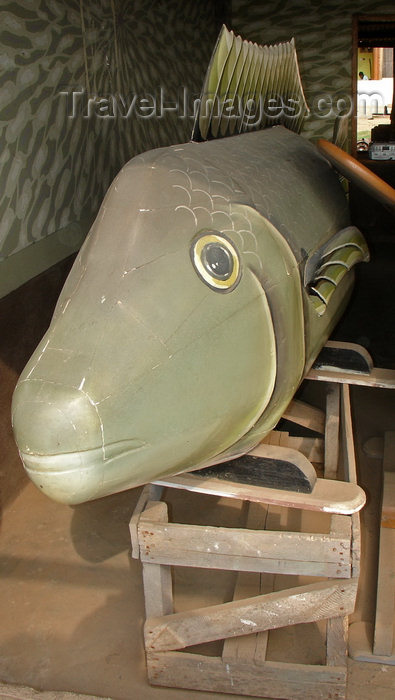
x=161 y=353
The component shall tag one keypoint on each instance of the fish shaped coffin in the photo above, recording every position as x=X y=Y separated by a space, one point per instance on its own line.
x=190 y=315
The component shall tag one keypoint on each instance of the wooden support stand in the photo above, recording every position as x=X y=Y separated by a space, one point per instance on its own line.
x=370 y=642
x=286 y=575
x=376 y=643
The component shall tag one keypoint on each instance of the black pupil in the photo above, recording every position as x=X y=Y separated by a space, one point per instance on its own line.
x=217 y=260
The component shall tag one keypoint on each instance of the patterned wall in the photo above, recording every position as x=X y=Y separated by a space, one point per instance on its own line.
x=323 y=35
x=54 y=170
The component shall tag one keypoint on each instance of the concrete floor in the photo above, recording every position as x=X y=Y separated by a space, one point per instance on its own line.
x=71 y=603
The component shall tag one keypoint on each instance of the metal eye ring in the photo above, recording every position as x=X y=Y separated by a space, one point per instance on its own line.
x=216 y=260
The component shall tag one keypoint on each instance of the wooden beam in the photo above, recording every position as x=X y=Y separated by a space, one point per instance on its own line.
x=211 y=674
x=305 y=415
x=341 y=527
x=385 y=609
x=356 y=545
x=350 y=467
x=383 y=644
x=150 y=492
x=328 y=495
x=379 y=378
x=301 y=466
x=311 y=448
x=377 y=62
x=157 y=579
x=252 y=647
x=332 y=424
x=309 y=603
x=337 y=641
x=343 y=356
x=239 y=549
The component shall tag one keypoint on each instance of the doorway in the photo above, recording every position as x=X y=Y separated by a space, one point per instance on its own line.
x=373 y=80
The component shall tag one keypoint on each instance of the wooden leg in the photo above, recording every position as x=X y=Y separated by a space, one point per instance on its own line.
x=251 y=648
x=306 y=415
x=150 y=492
x=336 y=641
x=332 y=432
x=385 y=603
x=158 y=592
x=350 y=468
x=157 y=579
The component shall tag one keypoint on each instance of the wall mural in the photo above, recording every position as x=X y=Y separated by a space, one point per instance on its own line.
x=56 y=168
x=59 y=153
x=322 y=32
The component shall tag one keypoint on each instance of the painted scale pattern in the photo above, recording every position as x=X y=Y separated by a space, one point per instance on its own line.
x=200 y=192
x=56 y=170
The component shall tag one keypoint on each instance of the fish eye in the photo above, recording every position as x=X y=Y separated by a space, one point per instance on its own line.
x=216 y=260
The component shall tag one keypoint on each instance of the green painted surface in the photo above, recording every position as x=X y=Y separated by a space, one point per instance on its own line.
x=248 y=87
x=185 y=326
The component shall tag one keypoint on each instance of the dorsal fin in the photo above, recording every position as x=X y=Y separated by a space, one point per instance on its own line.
x=249 y=87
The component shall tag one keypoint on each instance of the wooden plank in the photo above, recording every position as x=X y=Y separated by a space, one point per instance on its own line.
x=150 y=492
x=344 y=526
x=267 y=584
x=360 y=645
x=306 y=415
x=262 y=638
x=311 y=448
x=332 y=424
x=337 y=351
x=251 y=647
x=385 y=602
x=273 y=680
x=273 y=438
x=293 y=606
x=239 y=549
x=328 y=495
x=158 y=594
x=350 y=467
x=157 y=580
x=295 y=458
x=341 y=527
x=355 y=545
x=337 y=641
x=380 y=378
x=388 y=504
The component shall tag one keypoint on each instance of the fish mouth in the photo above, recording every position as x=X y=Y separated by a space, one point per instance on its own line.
x=75 y=477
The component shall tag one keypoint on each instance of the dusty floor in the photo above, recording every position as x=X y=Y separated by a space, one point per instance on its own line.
x=71 y=604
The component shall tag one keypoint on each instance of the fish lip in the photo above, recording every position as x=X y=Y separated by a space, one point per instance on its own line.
x=87 y=459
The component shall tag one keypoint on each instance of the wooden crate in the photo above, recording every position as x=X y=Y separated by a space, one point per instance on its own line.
x=263 y=553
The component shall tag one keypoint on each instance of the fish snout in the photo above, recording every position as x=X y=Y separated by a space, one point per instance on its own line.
x=52 y=419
